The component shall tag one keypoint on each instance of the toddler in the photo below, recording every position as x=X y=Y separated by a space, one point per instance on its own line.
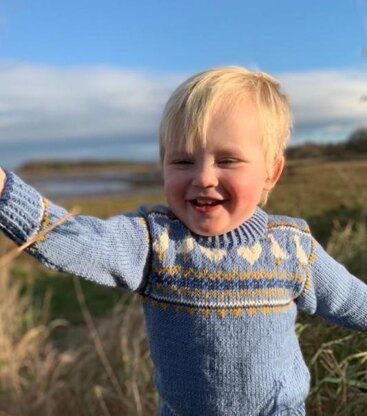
x=220 y=280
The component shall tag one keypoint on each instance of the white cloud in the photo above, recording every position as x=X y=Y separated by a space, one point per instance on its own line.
x=326 y=104
x=40 y=102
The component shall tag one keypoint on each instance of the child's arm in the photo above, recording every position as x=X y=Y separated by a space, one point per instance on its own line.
x=113 y=252
x=333 y=293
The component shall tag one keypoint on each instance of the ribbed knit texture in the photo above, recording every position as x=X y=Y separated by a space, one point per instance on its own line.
x=220 y=311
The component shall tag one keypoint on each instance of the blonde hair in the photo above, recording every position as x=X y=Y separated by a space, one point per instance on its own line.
x=188 y=111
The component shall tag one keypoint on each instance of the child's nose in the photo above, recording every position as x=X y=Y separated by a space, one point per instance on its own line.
x=205 y=177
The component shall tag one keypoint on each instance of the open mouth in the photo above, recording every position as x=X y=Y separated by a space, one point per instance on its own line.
x=205 y=204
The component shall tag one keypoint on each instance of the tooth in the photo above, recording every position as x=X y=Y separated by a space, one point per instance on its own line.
x=205 y=202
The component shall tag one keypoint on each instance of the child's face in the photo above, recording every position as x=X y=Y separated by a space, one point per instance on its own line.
x=218 y=187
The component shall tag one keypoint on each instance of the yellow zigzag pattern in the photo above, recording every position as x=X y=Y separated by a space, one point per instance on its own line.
x=304 y=229
x=239 y=274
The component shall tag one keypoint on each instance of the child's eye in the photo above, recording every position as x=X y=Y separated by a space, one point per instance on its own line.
x=228 y=161
x=182 y=162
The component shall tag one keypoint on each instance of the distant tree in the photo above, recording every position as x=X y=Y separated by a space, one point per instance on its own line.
x=316 y=150
x=305 y=150
x=357 y=141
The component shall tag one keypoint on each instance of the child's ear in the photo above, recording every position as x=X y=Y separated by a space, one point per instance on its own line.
x=274 y=176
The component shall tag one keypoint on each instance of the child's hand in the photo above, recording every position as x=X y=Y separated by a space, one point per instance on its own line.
x=2 y=180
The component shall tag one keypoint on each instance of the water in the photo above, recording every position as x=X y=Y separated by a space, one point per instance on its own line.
x=14 y=154
x=65 y=188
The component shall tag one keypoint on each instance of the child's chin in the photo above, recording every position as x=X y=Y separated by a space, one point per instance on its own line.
x=208 y=232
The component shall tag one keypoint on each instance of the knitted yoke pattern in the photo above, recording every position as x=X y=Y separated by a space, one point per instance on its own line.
x=256 y=268
x=220 y=311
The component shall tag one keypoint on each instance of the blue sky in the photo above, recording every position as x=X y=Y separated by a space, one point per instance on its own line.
x=171 y=35
x=105 y=68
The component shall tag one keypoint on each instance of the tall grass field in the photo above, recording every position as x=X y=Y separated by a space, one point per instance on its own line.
x=68 y=347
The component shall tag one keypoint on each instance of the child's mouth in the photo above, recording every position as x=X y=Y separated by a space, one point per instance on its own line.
x=205 y=204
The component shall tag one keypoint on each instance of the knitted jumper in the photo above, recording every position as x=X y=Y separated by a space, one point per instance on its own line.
x=220 y=311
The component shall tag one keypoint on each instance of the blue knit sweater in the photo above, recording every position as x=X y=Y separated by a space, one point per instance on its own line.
x=220 y=311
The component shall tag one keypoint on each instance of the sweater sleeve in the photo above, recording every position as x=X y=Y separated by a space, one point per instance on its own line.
x=333 y=293
x=112 y=252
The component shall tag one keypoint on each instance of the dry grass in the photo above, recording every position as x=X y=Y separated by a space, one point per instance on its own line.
x=107 y=373
x=312 y=188
x=337 y=357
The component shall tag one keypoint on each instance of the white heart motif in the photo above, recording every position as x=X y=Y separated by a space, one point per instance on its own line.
x=300 y=252
x=213 y=254
x=276 y=250
x=251 y=254
x=186 y=246
x=162 y=243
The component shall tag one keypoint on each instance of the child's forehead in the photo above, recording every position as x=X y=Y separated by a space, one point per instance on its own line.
x=188 y=137
x=209 y=144
x=224 y=149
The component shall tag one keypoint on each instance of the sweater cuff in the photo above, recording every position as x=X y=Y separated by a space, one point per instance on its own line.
x=21 y=209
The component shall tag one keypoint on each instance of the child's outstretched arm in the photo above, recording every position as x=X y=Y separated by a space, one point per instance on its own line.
x=112 y=252
x=333 y=293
